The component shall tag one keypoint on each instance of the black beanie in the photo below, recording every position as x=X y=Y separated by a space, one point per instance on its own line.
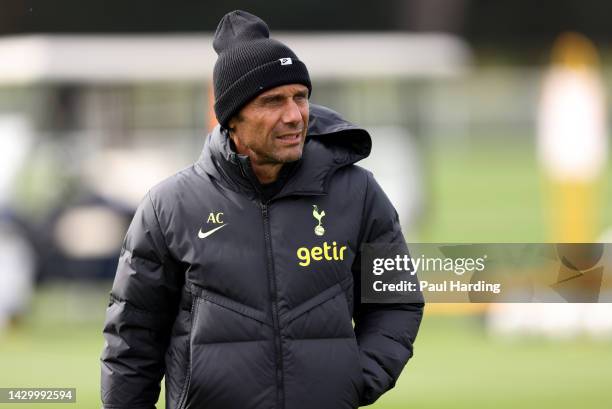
x=249 y=63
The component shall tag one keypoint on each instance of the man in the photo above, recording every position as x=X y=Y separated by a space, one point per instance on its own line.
x=239 y=275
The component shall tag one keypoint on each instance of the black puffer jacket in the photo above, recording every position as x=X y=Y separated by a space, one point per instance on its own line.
x=248 y=304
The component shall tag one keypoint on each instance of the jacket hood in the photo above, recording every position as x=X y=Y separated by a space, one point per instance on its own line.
x=331 y=143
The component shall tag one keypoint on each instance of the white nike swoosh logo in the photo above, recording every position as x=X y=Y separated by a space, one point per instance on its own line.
x=203 y=235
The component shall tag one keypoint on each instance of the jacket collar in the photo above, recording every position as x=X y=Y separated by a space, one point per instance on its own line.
x=331 y=143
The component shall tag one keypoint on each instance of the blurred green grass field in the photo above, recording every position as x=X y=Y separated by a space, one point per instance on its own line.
x=492 y=191
x=488 y=194
x=456 y=363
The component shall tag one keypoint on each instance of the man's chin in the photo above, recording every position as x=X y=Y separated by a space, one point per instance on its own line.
x=290 y=159
x=287 y=157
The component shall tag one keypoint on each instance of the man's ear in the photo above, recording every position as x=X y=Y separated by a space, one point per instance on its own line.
x=231 y=124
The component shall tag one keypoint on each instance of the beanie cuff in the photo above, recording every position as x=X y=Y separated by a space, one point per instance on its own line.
x=257 y=81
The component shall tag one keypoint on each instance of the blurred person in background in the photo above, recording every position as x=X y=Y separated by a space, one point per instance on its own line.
x=572 y=142
x=18 y=258
x=239 y=276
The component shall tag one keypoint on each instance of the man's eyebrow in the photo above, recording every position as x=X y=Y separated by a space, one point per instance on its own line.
x=271 y=97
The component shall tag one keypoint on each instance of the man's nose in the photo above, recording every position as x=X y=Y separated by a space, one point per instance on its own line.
x=292 y=113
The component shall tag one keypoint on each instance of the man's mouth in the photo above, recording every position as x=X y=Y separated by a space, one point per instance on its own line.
x=290 y=138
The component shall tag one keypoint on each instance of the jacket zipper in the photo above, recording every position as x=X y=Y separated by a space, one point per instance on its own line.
x=273 y=291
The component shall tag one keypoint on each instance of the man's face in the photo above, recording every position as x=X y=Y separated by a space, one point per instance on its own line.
x=271 y=129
